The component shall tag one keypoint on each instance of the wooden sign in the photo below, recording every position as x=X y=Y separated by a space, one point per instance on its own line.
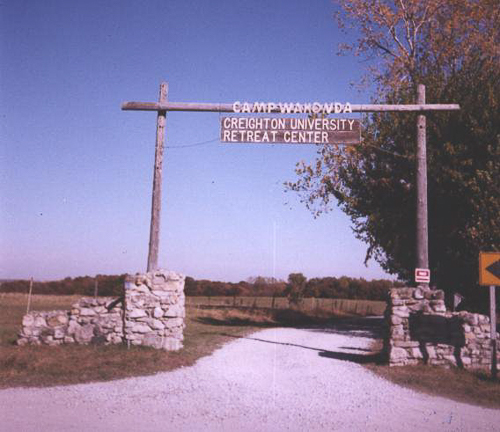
x=489 y=268
x=290 y=130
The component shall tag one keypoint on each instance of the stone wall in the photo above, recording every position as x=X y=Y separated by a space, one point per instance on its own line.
x=150 y=313
x=89 y=321
x=421 y=330
x=154 y=310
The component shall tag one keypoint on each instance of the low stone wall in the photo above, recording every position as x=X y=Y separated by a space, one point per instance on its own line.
x=89 y=321
x=421 y=330
x=150 y=313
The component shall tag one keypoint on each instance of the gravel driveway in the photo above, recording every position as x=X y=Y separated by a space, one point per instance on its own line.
x=273 y=380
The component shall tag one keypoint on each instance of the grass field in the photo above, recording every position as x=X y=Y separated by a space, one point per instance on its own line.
x=320 y=305
x=71 y=364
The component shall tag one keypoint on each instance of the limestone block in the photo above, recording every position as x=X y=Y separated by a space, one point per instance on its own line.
x=141 y=328
x=431 y=351
x=84 y=334
x=401 y=311
x=137 y=313
x=398 y=302
x=174 y=322
x=407 y=344
x=418 y=293
x=68 y=339
x=153 y=340
x=59 y=332
x=416 y=353
x=28 y=320
x=174 y=311
x=40 y=321
x=157 y=324
x=57 y=320
x=438 y=295
x=398 y=354
x=157 y=312
x=87 y=312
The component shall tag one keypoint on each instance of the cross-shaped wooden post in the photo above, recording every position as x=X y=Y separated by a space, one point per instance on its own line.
x=422 y=248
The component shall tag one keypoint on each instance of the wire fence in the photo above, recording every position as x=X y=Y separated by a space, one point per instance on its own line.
x=356 y=307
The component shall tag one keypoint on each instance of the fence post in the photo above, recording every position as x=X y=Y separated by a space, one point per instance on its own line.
x=29 y=296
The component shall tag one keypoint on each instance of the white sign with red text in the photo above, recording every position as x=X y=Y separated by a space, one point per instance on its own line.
x=422 y=275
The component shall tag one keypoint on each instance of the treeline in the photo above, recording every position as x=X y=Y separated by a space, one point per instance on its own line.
x=112 y=285
x=328 y=287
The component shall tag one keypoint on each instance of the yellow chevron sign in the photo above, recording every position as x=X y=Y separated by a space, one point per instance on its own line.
x=489 y=268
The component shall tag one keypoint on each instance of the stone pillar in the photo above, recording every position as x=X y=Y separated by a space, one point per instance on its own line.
x=154 y=310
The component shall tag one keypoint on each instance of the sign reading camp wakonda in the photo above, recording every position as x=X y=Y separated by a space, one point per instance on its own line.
x=292 y=108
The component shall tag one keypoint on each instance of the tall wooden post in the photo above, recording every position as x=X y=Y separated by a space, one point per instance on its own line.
x=493 y=332
x=422 y=246
x=154 y=232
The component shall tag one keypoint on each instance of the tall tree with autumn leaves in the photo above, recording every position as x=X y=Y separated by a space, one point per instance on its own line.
x=452 y=47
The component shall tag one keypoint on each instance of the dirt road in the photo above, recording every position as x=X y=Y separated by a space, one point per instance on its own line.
x=274 y=380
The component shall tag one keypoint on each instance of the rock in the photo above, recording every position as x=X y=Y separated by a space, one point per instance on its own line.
x=441 y=308
x=84 y=334
x=59 y=333
x=57 y=320
x=174 y=322
x=22 y=342
x=137 y=313
x=73 y=326
x=174 y=311
x=396 y=320
x=86 y=312
x=418 y=294
x=153 y=340
x=157 y=324
x=40 y=321
x=141 y=328
x=28 y=320
x=416 y=353
x=157 y=312
x=401 y=311
x=398 y=354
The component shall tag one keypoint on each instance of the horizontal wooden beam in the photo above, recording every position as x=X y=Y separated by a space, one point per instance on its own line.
x=224 y=107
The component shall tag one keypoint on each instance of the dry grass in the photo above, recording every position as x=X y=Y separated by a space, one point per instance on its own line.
x=311 y=305
x=473 y=387
x=476 y=388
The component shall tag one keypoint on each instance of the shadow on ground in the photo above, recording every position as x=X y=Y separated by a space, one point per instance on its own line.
x=370 y=327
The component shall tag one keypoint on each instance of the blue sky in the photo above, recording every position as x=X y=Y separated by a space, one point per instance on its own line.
x=77 y=171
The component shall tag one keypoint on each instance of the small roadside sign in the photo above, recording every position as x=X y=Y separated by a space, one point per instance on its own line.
x=422 y=275
x=489 y=268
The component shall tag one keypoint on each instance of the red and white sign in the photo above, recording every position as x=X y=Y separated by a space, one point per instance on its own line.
x=422 y=275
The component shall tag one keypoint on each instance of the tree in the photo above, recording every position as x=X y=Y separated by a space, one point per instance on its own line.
x=295 y=288
x=453 y=47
